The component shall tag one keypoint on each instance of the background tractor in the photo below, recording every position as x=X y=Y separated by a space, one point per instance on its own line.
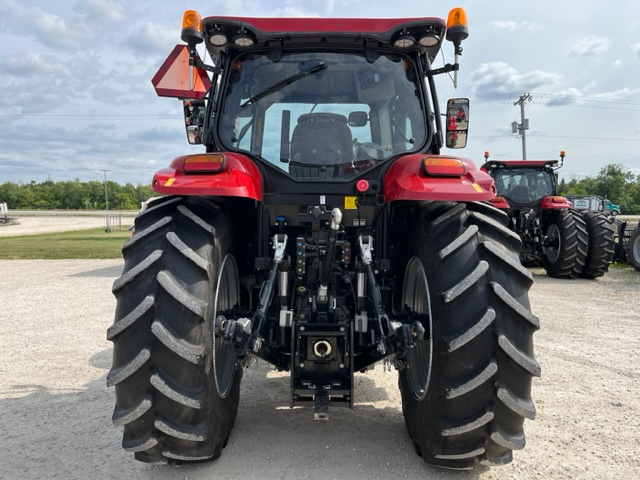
x=566 y=242
x=321 y=230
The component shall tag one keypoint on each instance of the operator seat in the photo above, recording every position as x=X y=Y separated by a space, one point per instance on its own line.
x=519 y=194
x=320 y=142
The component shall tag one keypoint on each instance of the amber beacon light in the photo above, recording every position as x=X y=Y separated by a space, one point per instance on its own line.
x=192 y=28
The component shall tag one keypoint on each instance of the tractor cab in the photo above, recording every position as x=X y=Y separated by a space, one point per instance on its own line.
x=523 y=183
x=313 y=100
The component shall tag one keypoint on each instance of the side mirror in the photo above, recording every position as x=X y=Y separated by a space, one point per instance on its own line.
x=457 y=123
x=358 y=119
x=194 y=113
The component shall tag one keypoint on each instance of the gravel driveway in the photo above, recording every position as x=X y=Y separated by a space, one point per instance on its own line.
x=55 y=408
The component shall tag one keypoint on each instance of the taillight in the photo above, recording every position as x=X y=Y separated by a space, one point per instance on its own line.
x=204 y=163
x=443 y=166
x=362 y=186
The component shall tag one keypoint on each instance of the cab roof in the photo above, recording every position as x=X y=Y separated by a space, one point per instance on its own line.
x=299 y=25
x=326 y=32
x=536 y=164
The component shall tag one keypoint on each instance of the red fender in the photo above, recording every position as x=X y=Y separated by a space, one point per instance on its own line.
x=239 y=178
x=407 y=180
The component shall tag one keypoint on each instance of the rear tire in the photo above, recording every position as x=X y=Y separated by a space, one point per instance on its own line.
x=634 y=249
x=567 y=243
x=467 y=390
x=601 y=244
x=176 y=392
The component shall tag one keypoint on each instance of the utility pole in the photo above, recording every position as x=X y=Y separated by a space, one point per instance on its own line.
x=520 y=128
x=106 y=203
x=106 y=196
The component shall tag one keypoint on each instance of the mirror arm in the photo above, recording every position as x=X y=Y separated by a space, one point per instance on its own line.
x=195 y=61
x=445 y=69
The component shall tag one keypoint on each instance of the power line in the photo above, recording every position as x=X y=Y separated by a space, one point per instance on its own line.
x=561 y=136
x=577 y=101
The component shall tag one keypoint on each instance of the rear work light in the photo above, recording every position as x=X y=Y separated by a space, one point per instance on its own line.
x=443 y=166
x=204 y=163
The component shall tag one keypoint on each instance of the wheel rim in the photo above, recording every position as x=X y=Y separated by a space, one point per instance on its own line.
x=415 y=295
x=227 y=295
x=553 y=250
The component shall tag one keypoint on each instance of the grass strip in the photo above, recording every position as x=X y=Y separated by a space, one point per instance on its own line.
x=81 y=244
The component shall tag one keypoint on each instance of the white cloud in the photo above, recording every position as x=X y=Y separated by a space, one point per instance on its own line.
x=56 y=32
x=24 y=65
x=101 y=10
x=636 y=48
x=153 y=39
x=591 y=45
x=504 y=25
x=498 y=78
x=621 y=94
x=565 y=97
x=53 y=31
x=512 y=26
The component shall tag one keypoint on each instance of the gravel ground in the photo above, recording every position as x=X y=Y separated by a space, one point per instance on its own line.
x=55 y=408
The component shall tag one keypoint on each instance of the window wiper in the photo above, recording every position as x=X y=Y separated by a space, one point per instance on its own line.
x=315 y=67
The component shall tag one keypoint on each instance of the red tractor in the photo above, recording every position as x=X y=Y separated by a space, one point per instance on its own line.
x=566 y=242
x=321 y=230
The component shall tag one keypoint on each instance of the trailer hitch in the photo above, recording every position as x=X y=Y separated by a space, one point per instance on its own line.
x=404 y=339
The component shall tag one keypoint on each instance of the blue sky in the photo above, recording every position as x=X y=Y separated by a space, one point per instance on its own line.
x=76 y=95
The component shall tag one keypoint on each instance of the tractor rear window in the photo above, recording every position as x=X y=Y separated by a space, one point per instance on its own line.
x=322 y=115
x=522 y=186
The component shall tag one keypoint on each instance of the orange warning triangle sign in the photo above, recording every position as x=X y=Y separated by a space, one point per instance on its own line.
x=173 y=79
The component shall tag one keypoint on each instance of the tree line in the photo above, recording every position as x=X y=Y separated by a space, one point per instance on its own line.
x=614 y=182
x=73 y=195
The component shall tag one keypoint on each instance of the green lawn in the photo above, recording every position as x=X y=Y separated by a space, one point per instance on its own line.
x=92 y=243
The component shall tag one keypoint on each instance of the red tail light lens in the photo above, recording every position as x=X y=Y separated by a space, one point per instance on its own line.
x=204 y=163
x=443 y=166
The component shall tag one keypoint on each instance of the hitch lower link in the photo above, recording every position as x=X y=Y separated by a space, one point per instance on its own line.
x=243 y=334
x=400 y=338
